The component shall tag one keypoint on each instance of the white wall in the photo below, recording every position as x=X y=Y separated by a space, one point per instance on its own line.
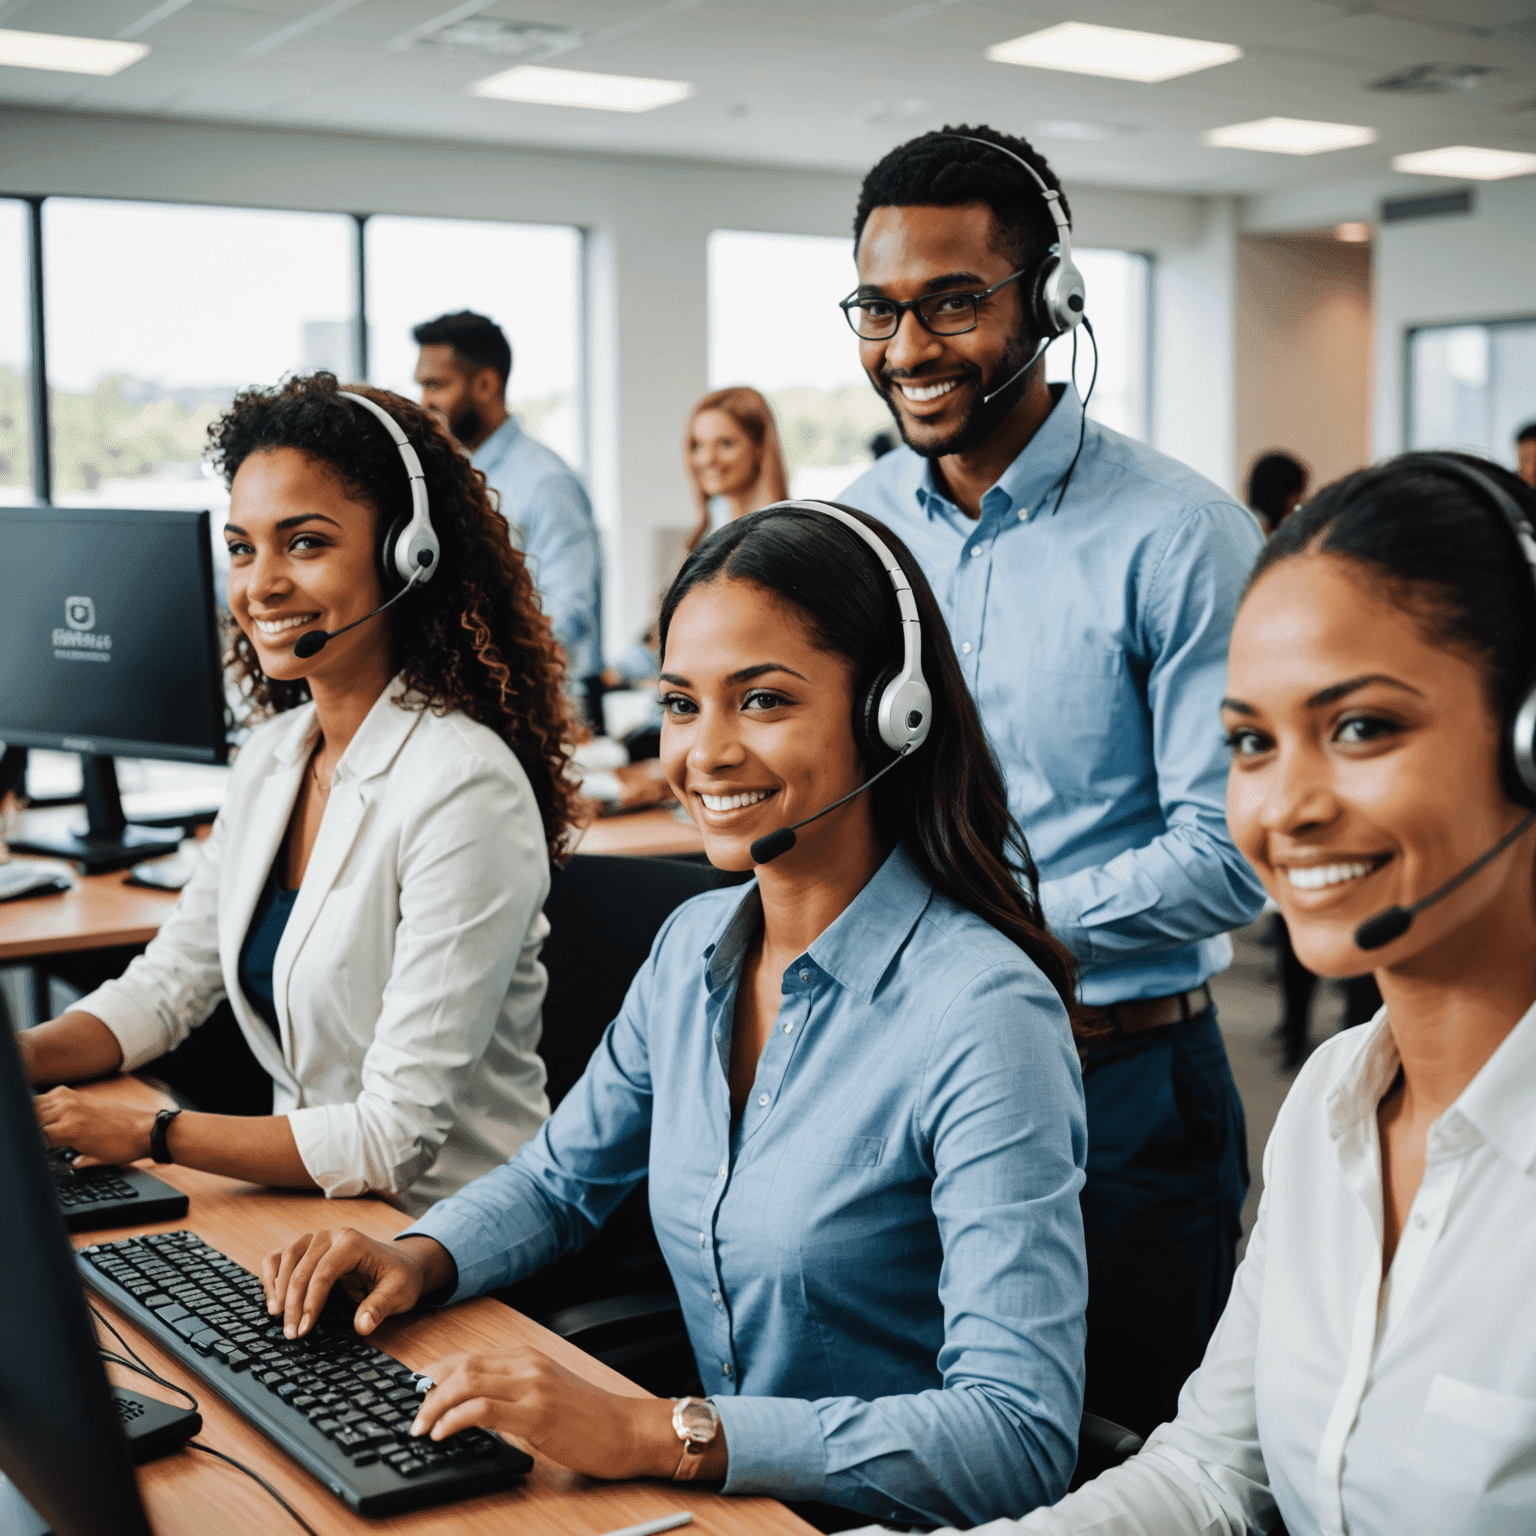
x=648 y=222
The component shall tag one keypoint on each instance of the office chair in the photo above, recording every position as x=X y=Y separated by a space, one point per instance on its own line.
x=1101 y=1444
x=615 y=1298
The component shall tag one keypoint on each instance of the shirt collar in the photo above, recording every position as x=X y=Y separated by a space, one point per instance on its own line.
x=375 y=746
x=857 y=948
x=1034 y=477
x=498 y=445
x=1497 y=1104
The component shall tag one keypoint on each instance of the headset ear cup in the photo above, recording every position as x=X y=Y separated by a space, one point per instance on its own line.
x=389 y=578
x=866 y=722
x=1519 y=755
x=1041 y=311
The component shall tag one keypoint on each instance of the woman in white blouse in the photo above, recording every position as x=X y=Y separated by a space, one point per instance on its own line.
x=370 y=900
x=1374 y=1372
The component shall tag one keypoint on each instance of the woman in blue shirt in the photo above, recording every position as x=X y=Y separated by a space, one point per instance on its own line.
x=854 y=1088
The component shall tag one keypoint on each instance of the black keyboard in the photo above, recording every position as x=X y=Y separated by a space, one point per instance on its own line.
x=111 y=1197
x=340 y=1407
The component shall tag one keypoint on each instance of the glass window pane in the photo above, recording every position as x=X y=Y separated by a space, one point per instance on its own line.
x=525 y=277
x=1472 y=386
x=157 y=314
x=15 y=358
x=774 y=324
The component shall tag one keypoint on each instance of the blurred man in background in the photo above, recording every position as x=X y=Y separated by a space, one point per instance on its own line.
x=1525 y=448
x=463 y=370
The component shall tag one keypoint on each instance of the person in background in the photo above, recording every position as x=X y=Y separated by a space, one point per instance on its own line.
x=463 y=369
x=851 y=1084
x=1277 y=485
x=370 y=898
x=1525 y=451
x=732 y=456
x=1375 y=1370
x=1089 y=584
x=880 y=445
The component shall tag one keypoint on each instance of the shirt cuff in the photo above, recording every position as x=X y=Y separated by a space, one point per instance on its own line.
x=139 y=1032
x=460 y=1234
x=774 y=1446
x=1061 y=918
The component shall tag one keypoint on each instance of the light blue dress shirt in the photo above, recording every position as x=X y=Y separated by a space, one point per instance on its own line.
x=881 y=1264
x=547 y=509
x=1095 y=642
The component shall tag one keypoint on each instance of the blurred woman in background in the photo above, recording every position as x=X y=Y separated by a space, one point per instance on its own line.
x=732 y=454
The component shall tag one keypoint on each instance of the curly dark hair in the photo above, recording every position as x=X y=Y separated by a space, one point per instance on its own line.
x=475 y=639
x=939 y=171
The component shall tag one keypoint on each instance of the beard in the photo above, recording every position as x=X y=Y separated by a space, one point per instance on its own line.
x=984 y=416
x=465 y=423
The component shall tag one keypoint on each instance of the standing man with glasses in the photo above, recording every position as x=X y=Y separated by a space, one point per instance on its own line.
x=463 y=369
x=1090 y=585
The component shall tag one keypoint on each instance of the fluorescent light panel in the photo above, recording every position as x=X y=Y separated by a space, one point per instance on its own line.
x=72 y=55
x=1290 y=136
x=579 y=88
x=1082 y=49
x=1466 y=162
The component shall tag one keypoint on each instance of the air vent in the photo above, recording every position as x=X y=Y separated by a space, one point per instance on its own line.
x=1436 y=205
x=525 y=41
x=1434 y=79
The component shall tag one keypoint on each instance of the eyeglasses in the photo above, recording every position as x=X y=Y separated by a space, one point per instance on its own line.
x=940 y=314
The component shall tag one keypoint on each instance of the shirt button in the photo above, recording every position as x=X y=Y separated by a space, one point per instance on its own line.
x=975 y=551
x=762 y=1098
x=805 y=975
x=965 y=650
x=717 y=1037
x=725 y=1367
x=714 y=1296
x=1023 y=514
x=789 y=1028
x=702 y=1239
x=722 y=1170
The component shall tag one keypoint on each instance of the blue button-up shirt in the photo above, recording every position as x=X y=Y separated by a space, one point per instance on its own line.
x=881 y=1263
x=551 y=520
x=1095 y=642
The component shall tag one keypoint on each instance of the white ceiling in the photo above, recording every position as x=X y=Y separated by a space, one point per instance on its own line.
x=826 y=83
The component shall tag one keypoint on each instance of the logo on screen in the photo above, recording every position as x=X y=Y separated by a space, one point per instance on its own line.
x=80 y=613
x=79 y=642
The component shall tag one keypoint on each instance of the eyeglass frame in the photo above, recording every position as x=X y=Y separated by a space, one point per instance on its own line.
x=906 y=306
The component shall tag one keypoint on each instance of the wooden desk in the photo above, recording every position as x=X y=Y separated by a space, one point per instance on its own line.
x=191 y=1493
x=641 y=834
x=100 y=913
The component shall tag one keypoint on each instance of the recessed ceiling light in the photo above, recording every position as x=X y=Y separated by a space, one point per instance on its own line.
x=1353 y=233
x=1290 y=136
x=1466 y=161
x=579 y=88
x=73 y=55
x=1083 y=49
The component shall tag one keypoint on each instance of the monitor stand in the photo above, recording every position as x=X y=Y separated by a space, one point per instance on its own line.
x=107 y=841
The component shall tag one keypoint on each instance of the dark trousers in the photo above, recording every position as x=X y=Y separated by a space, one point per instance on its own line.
x=1162 y=1213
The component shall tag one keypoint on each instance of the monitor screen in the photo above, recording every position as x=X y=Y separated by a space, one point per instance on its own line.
x=109 y=633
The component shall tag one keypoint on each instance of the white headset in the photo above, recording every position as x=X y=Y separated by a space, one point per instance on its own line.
x=897 y=711
x=410 y=548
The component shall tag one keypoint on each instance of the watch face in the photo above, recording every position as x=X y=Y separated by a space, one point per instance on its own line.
x=698 y=1422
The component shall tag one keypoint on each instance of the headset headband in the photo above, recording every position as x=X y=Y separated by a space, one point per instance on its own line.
x=405 y=547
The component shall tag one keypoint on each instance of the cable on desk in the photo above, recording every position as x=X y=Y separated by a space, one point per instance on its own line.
x=141 y=1368
x=256 y=1477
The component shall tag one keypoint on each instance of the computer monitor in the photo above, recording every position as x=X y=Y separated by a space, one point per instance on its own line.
x=65 y=1459
x=109 y=645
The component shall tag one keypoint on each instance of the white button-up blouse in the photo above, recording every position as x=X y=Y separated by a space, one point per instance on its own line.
x=1335 y=1400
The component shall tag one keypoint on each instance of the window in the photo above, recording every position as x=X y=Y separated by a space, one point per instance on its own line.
x=774 y=324
x=525 y=277
x=157 y=314
x=15 y=381
x=1471 y=386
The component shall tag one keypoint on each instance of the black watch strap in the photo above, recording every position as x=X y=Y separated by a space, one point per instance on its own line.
x=157 y=1147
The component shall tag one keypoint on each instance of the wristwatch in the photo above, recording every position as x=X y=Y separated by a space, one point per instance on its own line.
x=158 y=1149
x=697 y=1422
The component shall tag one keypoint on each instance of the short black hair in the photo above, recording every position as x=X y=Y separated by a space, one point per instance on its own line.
x=1527 y=433
x=475 y=338
x=937 y=170
x=1272 y=482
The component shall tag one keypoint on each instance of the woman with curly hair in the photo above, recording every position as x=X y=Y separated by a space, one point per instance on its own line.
x=370 y=900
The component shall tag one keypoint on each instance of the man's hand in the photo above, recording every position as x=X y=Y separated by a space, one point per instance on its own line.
x=101 y=1134
x=386 y=1278
x=545 y=1405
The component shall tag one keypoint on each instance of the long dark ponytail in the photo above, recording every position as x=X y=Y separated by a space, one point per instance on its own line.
x=948 y=802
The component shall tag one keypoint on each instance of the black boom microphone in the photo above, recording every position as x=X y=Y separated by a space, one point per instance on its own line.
x=1395 y=921
x=313 y=641
x=771 y=844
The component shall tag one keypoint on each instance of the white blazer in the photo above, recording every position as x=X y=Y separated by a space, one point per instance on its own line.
x=407 y=984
